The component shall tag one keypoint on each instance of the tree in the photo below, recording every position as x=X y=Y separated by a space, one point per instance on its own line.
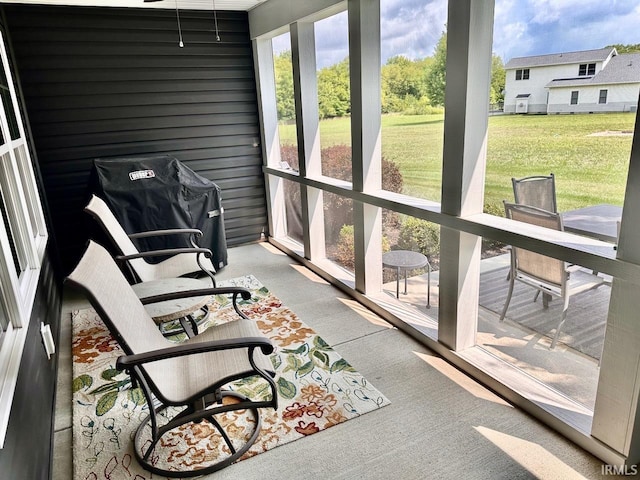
x=404 y=83
x=496 y=94
x=334 y=98
x=283 y=70
x=436 y=77
x=631 y=48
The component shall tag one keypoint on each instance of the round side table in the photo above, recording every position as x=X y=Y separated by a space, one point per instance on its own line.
x=404 y=260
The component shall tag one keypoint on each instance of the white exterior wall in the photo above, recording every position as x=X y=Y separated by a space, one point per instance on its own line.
x=620 y=98
x=539 y=77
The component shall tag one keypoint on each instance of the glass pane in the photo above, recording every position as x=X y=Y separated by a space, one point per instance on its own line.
x=334 y=101
x=413 y=62
x=285 y=101
x=28 y=186
x=531 y=322
x=338 y=224
x=3 y=329
x=8 y=106
x=409 y=240
x=293 y=210
x=7 y=226
x=557 y=139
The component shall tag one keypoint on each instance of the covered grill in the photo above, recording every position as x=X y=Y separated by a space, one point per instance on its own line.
x=160 y=192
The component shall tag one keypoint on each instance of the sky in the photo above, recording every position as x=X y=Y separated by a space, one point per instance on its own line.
x=521 y=28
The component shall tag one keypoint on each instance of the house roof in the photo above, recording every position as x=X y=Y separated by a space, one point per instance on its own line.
x=560 y=58
x=620 y=69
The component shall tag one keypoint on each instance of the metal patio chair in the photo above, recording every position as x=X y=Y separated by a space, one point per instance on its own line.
x=183 y=261
x=188 y=375
x=537 y=191
x=546 y=274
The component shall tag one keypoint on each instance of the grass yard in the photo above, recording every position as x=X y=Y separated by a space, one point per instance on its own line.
x=589 y=169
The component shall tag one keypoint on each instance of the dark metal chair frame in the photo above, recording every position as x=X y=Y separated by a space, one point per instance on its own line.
x=149 y=356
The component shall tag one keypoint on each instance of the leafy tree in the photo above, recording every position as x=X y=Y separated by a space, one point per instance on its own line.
x=496 y=94
x=334 y=91
x=436 y=77
x=631 y=48
x=404 y=83
x=283 y=68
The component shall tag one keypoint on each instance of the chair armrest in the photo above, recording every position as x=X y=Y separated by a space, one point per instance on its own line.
x=128 y=361
x=164 y=252
x=199 y=292
x=169 y=231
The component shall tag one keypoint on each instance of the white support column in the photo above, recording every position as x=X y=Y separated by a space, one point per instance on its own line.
x=364 y=67
x=266 y=88
x=616 y=416
x=305 y=86
x=469 y=42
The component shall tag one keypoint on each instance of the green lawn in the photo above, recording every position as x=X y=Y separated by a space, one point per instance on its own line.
x=589 y=169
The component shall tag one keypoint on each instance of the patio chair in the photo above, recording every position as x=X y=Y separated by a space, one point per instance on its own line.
x=537 y=191
x=189 y=377
x=546 y=274
x=182 y=261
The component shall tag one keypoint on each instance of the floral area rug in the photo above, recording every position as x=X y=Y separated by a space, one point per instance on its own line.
x=317 y=389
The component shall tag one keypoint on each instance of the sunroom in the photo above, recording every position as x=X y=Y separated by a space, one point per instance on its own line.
x=196 y=80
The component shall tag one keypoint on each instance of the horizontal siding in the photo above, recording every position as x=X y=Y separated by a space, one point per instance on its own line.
x=27 y=452
x=113 y=82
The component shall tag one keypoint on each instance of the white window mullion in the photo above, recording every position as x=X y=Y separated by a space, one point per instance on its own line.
x=16 y=205
x=365 y=78
x=30 y=188
x=469 y=41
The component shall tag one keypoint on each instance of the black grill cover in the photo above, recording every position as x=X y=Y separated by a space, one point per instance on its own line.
x=159 y=192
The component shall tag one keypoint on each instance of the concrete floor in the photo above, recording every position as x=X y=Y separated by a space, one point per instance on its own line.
x=440 y=424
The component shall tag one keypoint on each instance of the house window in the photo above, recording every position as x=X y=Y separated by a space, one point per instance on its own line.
x=574 y=97
x=522 y=74
x=23 y=237
x=603 y=96
x=587 y=69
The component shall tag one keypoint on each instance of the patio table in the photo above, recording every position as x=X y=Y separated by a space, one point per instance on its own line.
x=596 y=221
x=404 y=260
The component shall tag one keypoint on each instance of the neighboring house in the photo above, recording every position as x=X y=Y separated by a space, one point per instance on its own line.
x=576 y=82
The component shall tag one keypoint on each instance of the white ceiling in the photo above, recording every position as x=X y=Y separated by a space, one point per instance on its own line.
x=238 y=5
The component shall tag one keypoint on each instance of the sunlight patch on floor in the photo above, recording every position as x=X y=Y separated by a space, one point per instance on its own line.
x=365 y=313
x=461 y=379
x=308 y=274
x=531 y=456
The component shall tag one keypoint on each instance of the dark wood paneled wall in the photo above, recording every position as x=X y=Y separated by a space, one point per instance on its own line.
x=27 y=450
x=109 y=82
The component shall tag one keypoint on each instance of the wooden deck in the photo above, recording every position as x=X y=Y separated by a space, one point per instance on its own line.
x=586 y=317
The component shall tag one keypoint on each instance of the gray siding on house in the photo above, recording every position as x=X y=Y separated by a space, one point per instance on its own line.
x=104 y=82
x=27 y=451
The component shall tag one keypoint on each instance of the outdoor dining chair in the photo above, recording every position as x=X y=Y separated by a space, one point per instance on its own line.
x=182 y=261
x=537 y=191
x=546 y=274
x=183 y=383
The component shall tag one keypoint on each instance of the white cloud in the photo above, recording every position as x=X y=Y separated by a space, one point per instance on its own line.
x=522 y=27
x=411 y=27
x=537 y=27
